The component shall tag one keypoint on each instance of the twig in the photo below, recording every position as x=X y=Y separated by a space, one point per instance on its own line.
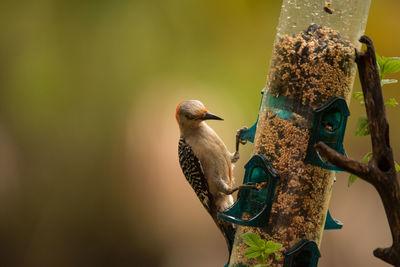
x=380 y=170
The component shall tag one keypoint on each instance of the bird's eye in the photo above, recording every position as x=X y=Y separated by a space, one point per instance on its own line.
x=193 y=118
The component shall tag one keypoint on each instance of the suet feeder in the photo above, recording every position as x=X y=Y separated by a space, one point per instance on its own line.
x=304 y=101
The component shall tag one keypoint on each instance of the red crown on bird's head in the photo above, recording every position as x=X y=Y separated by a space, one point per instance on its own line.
x=176 y=111
x=199 y=113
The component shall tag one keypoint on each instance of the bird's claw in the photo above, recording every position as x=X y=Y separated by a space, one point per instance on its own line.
x=246 y=186
x=235 y=157
x=249 y=185
x=239 y=140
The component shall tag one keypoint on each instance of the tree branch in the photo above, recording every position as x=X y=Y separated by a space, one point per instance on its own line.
x=375 y=106
x=380 y=170
x=344 y=163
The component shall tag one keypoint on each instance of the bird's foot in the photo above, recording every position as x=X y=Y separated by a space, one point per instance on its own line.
x=240 y=188
x=239 y=140
x=246 y=186
x=235 y=157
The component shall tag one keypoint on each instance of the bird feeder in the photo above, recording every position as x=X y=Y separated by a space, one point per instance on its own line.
x=255 y=203
x=305 y=101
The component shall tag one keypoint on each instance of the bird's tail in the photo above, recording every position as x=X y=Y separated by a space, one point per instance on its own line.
x=227 y=229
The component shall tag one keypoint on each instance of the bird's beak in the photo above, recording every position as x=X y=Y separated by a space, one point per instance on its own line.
x=210 y=116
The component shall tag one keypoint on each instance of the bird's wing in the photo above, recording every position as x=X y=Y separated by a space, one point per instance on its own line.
x=193 y=172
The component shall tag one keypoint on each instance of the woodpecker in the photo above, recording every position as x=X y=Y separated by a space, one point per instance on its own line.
x=206 y=162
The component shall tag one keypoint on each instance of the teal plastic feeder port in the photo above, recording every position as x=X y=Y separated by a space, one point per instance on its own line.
x=255 y=203
x=332 y=224
x=328 y=126
x=249 y=134
x=303 y=254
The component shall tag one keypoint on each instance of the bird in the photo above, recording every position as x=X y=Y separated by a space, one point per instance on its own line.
x=206 y=162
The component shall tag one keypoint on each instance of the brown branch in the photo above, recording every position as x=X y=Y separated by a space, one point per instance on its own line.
x=344 y=163
x=380 y=170
x=375 y=106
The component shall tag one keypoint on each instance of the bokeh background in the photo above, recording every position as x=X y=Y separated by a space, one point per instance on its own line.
x=89 y=173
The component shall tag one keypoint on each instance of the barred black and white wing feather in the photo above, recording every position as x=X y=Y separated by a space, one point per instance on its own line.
x=194 y=174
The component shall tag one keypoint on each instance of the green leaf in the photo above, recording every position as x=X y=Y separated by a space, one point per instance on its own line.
x=362 y=128
x=261 y=265
x=252 y=252
x=253 y=239
x=259 y=248
x=263 y=244
x=388 y=65
x=260 y=259
x=263 y=256
x=273 y=246
x=397 y=166
x=352 y=179
x=277 y=256
x=366 y=157
x=388 y=81
x=358 y=95
x=392 y=65
x=381 y=65
x=379 y=60
x=384 y=60
x=269 y=251
x=391 y=102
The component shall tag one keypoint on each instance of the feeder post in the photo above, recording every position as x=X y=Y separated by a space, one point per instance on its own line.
x=304 y=101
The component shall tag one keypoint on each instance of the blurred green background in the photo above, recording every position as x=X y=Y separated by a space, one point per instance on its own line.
x=89 y=174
